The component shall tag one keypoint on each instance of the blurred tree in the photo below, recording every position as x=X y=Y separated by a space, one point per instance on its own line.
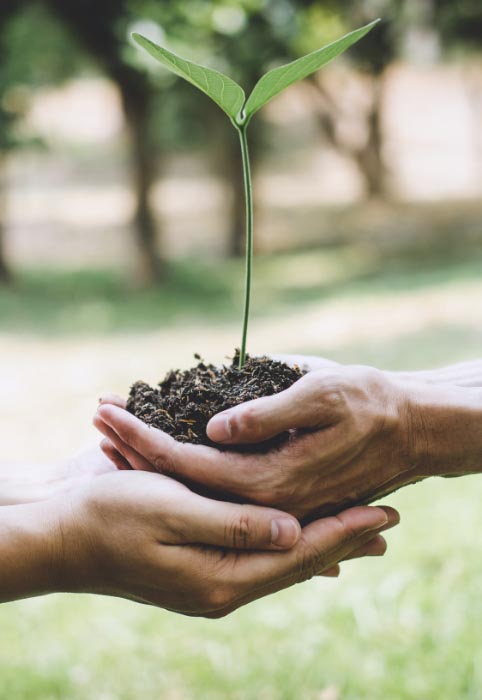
x=370 y=59
x=435 y=25
x=101 y=28
x=49 y=55
x=7 y=140
x=243 y=38
x=33 y=53
x=459 y=22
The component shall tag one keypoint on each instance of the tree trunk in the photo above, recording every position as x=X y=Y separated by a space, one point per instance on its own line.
x=370 y=157
x=136 y=108
x=101 y=40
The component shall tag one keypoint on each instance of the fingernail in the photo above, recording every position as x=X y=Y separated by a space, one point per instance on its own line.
x=380 y=521
x=219 y=428
x=284 y=532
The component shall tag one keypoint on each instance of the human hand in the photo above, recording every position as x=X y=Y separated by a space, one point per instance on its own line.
x=357 y=434
x=150 y=539
x=124 y=433
x=30 y=483
x=349 y=444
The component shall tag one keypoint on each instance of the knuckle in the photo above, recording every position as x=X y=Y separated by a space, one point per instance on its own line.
x=165 y=461
x=240 y=532
x=346 y=532
x=310 y=561
x=246 y=422
x=218 y=598
x=331 y=388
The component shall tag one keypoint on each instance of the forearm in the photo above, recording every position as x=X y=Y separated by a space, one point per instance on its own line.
x=445 y=429
x=28 y=553
x=467 y=374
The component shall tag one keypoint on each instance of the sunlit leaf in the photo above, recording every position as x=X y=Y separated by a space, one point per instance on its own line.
x=280 y=78
x=221 y=89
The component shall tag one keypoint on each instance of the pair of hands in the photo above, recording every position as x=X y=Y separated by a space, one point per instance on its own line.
x=89 y=526
x=212 y=576
x=350 y=442
x=148 y=538
x=356 y=433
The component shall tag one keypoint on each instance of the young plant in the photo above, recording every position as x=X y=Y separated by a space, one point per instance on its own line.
x=230 y=97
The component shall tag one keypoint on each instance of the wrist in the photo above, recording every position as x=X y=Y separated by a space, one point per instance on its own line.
x=26 y=483
x=30 y=551
x=444 y=429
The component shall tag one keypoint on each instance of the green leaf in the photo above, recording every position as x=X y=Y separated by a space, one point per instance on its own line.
x=221 y=89
x=280 y=78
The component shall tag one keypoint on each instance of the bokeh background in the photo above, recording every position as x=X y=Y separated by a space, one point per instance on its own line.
x=121 y=236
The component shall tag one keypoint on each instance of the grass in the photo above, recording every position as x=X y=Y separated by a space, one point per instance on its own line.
x=404 y=627
x=100 y=302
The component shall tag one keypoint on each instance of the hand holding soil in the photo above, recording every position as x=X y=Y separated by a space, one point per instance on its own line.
x=355 y=434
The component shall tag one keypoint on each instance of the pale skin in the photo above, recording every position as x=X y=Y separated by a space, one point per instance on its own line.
x=145 y=537
x=357 y=433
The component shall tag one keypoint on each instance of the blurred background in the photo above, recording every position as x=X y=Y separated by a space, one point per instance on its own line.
x=121 y=242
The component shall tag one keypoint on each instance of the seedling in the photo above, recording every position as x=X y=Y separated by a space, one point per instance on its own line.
x=231 y=98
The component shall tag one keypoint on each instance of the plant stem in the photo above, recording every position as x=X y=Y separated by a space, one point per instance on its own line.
x=248 y=191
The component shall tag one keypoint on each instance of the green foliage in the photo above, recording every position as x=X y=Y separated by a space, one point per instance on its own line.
x=221 y=89
x=48 y=56
x=231 y=98
x=278 y=79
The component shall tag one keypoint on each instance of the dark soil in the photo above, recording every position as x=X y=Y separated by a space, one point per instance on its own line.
x=184 y=402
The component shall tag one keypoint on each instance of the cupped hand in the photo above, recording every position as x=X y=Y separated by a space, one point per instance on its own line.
x=148 y=538
x=349 y=444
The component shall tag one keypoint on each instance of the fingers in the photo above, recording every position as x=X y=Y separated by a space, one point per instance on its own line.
x=113 y=399
x=194 y=519
x=214 y=469
x=333 y=572
x=111 y=453
x=199 y=520
x=322 y=544
x=134 y=459
x=300 y=406
x=374 y=548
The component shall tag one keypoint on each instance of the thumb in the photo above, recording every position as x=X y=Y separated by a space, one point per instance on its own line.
x=235 y=526
x=300 y=406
